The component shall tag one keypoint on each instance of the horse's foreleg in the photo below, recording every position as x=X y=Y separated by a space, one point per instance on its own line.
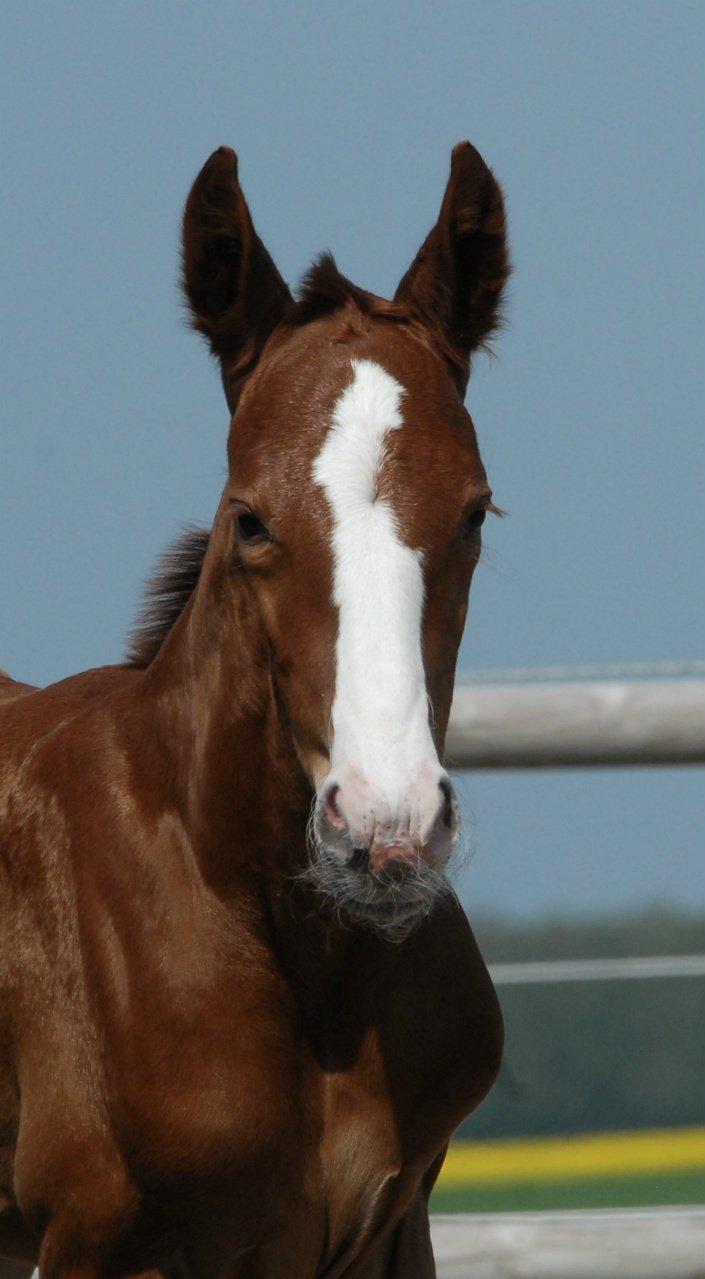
x=77 y=1256
x=406 y=1253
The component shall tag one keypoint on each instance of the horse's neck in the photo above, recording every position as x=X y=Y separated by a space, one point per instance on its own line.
x=236 y=770
x=240 y=781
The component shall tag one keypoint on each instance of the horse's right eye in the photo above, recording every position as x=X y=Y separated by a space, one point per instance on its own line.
x=251 y=529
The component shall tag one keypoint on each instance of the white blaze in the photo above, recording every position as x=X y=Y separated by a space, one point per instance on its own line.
x=383 y=756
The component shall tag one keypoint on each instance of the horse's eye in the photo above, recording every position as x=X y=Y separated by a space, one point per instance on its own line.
x=474 y=522
x=251 y=529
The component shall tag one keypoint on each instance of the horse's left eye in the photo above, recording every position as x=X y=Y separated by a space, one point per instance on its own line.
x=474 y=522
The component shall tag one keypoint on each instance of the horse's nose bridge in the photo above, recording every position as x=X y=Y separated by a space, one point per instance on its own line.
x=385 y=773
x=384 y=763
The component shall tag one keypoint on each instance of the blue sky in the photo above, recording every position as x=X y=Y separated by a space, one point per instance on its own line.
x=590 y=420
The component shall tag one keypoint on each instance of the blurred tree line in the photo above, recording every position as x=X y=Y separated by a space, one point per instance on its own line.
x=594 y=1056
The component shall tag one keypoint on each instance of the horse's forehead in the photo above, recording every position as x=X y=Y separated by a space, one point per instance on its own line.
x=291 y=403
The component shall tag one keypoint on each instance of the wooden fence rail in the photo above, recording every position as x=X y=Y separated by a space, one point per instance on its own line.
x=577 y=724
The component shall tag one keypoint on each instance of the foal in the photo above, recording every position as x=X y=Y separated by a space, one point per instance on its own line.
x=229 y=1044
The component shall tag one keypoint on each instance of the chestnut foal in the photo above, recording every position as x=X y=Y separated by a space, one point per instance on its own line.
x=233 y=1040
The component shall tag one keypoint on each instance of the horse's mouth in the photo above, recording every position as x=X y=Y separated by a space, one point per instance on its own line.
x=391 y=903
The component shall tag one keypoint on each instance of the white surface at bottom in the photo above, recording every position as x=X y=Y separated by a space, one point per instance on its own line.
x=653 y=1243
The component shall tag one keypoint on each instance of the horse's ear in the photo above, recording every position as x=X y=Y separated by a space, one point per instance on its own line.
x=454 y=285
x=236 y=295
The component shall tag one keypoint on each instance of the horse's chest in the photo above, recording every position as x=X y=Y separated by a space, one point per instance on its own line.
x=208 y=1081
x=216 y=1092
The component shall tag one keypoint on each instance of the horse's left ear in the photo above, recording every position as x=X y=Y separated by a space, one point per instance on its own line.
x=236 y=295
x=454 y=285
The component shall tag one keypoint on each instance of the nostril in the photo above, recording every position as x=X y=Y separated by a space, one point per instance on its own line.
x=448 y=811
x=330 y=808
x=359 y=859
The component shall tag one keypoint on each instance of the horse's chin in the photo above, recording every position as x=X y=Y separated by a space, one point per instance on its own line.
x=393 y=909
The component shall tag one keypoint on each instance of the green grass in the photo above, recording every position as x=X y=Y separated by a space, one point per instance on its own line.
x=608 y=1192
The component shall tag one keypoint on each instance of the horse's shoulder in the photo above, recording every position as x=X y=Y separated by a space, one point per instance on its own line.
x=49 y=759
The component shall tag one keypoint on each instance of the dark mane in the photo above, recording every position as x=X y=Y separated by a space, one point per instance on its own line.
x=167 y=594
x=324 y=290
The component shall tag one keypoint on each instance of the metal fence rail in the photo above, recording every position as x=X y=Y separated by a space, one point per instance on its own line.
x=652 y=1243
x=577 y=723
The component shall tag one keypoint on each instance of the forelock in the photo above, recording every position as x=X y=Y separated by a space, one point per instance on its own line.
x=324 y=290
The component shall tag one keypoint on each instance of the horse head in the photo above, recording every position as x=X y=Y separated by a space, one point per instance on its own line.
x=353 y=511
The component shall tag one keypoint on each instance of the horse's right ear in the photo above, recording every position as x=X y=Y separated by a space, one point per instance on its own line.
x=235 y=293
x=454 y=285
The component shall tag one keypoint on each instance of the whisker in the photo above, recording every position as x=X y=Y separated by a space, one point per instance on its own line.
x=391 y=908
